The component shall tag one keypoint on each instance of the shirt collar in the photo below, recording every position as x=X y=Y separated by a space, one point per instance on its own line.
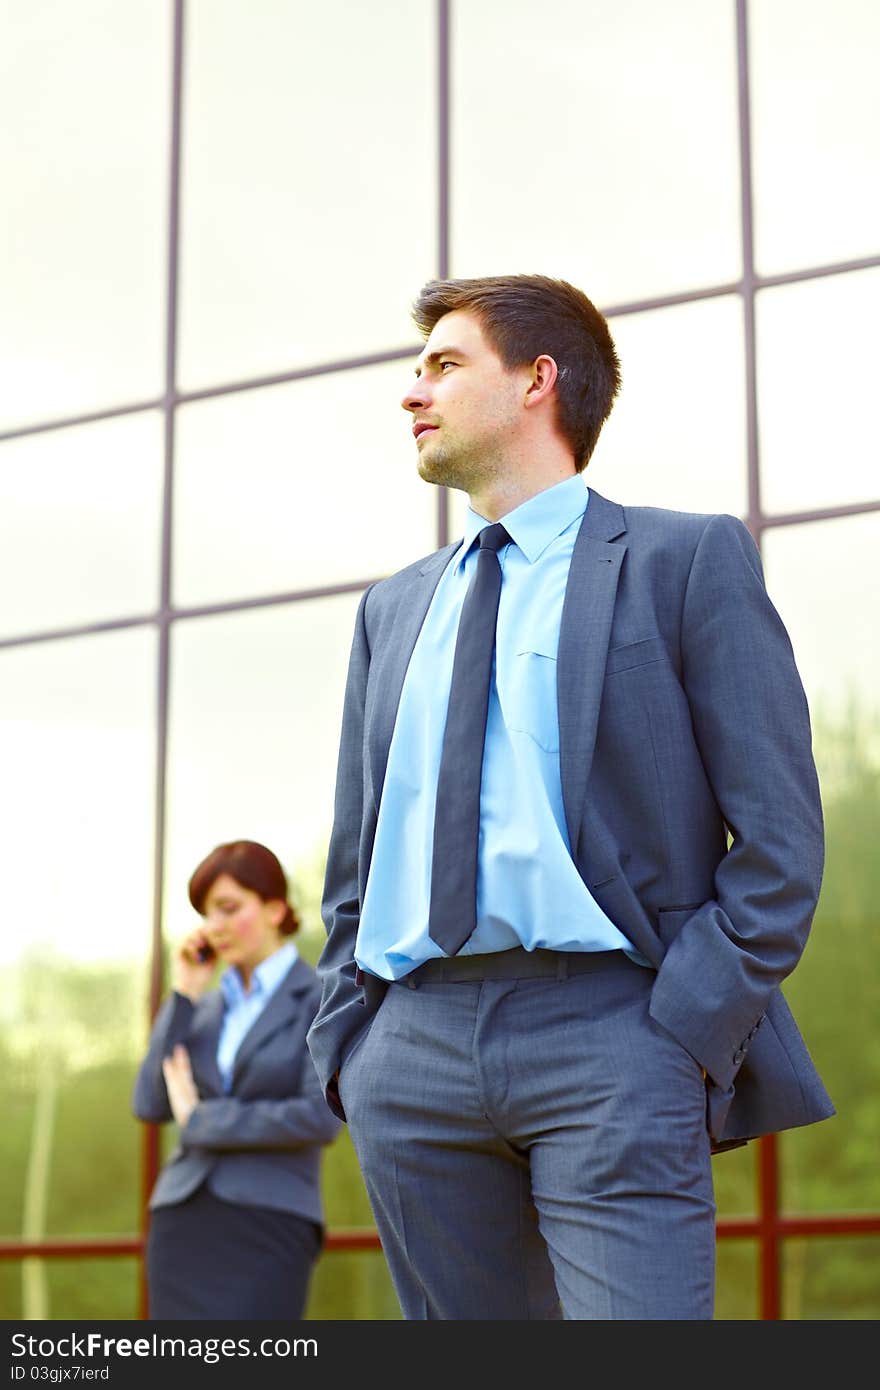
x=266 y=977
x=534 y=523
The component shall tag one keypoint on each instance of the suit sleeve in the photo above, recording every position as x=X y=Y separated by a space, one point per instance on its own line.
x=228 y=1124
x=752 y=727
x=341 y=1013
x=170 y=1026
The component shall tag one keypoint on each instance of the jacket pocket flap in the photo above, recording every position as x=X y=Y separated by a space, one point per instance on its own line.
x=636 y=654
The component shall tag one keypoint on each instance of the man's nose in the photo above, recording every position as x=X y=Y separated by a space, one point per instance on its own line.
x=416 y=398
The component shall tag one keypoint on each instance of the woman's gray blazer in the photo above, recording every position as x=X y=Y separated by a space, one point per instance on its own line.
x=260 y=1143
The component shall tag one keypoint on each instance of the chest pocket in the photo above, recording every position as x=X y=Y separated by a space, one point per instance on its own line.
x=635 y=654
x=527 y=693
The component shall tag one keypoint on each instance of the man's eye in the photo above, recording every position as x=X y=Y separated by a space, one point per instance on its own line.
x=444 y=365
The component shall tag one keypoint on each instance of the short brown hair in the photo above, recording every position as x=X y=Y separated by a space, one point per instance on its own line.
x=252 y=866
x=524 y=316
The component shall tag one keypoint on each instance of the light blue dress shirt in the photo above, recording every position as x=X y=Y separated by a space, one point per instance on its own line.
x=243 y=1009
x=529 y=892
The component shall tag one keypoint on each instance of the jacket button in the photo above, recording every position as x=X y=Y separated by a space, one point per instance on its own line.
x=738 y=1055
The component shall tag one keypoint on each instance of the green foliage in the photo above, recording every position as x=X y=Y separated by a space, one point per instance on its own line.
x=352 y=1285
x=97 y=1289
x=736 y=1277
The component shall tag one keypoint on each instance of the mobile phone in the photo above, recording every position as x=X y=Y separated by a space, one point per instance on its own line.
x=205 y=953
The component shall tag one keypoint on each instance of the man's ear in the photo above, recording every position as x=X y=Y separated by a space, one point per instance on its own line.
x=543 y=373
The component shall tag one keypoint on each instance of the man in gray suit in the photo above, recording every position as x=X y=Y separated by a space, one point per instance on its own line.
x=569 y=870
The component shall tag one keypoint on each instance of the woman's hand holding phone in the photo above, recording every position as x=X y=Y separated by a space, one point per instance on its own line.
x=194 y=964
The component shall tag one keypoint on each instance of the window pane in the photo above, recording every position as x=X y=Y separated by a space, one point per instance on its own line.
x=78 y=757
x=816 y=122
x=81 y=524
x=309 y=208
x=256 y=713
x=736 y=1278
x=819 y=363
x=84 y=120
x=734 y=1176
x=71 y=1290
x=676 y=435
x=77 y=748
x=823 y=578
x=598 y=143
x=298 y=486
x=825 y=1279
x=352 y=1286
x=349 y=1284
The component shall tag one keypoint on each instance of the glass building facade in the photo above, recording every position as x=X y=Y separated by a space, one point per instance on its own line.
x=217 y=217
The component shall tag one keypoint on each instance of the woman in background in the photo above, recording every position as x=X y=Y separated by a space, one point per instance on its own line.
x=236 y=1219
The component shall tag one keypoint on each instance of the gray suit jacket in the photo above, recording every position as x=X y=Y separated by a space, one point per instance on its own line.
x=260 y=1144
x=689 y=786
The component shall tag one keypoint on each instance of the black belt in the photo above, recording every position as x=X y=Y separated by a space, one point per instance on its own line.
x=515 y=964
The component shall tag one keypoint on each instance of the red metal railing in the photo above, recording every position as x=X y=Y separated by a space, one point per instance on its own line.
x=769 y=1228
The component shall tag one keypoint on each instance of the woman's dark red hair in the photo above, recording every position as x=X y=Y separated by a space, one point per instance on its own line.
x=252 y=866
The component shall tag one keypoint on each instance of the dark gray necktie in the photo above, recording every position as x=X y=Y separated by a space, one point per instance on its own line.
x=453 y=911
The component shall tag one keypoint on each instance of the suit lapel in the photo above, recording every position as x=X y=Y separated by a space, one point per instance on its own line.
x=280 y=1009
x=584 y=634
x=390 y=663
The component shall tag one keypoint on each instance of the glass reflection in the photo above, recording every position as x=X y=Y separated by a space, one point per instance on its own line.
x=823 y=578
x=82 y=515
x=84 y=111
x=676 y=435
x=818 y=364
x=78 y=755
x=309 y=210
x=298 y=486
x=600 y=144
x=817 y=126
x=256 y=708
x=831 y=1278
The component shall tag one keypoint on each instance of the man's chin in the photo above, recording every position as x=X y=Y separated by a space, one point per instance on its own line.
x=438 y=471
x=427 y=473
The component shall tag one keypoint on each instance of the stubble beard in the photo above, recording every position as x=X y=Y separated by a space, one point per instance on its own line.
x=447 y=467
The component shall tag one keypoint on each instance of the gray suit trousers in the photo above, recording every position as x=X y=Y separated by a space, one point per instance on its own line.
x=535 y=1149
